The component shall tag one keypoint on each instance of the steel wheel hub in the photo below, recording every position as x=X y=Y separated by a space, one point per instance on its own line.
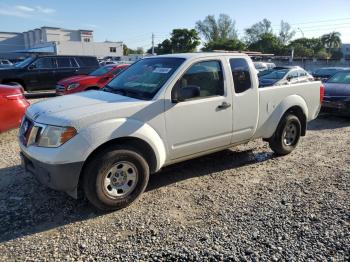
x=290 y=134
x=120 y=180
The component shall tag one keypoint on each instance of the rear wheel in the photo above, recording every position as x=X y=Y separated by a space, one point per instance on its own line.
x=287 y=135
x=115 y=178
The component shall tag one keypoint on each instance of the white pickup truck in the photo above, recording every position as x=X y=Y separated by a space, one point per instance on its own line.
x=159 y=111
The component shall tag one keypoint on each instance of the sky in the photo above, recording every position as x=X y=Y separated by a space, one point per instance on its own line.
x=134 y=21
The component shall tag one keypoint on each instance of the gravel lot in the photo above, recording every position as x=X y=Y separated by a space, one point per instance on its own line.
x=241 y=204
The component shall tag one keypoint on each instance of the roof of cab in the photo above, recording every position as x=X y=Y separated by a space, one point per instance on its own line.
x=201 y=54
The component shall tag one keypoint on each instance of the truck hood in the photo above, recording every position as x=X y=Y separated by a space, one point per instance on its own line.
x=85 y=108
x=75 y=79
x=332 y=89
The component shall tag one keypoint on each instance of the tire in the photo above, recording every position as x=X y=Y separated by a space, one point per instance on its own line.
x=115 y=178
x=287 y=135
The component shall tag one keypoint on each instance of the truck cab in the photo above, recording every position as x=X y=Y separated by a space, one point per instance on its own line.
x=159 y=111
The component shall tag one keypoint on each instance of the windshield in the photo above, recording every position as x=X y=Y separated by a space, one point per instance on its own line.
x=144 y=78
x=275 y=74
x=101 y=71
x=340 y=78
x=25 y=62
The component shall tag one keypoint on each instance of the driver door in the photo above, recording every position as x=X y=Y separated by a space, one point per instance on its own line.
x=41 y=74
x=204 y=122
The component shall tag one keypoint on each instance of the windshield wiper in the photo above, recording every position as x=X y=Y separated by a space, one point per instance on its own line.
x=124 y=92
x=109 y=89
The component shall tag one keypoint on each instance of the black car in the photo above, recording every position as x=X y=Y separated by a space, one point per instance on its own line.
x=337 y=94
x=43 y=72
x=324 y=73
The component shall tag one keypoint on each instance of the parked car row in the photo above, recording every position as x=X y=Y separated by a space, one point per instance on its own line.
x=93 y=81
x=43 y=72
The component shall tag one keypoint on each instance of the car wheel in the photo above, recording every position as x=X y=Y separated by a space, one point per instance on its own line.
x=287 y=135
x=115 y=178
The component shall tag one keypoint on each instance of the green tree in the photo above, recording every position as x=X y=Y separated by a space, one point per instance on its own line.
x=308 y=47
x=254 y=33
x=126 y=50
x=213 y=30
x=268 y=43
x=286 y=33
x=184 y=40
x=227 y=45
x=301 y=50
x=181 y=41
x=331 y=41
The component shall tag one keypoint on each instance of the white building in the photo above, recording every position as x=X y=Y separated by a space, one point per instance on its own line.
x=58 y=41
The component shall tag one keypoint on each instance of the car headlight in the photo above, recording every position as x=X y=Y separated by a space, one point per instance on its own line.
x=54 y=136
x=72 y=86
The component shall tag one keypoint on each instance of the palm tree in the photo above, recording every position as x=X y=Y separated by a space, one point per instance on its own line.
x=331 y=40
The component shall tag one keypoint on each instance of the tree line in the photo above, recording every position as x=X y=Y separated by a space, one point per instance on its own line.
x=221 y=34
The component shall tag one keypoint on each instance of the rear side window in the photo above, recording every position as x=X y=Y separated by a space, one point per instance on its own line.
x=43 y=63
x=293 y=74
x=302 y=73
x=63 y=62
x=240 y=74
x=207 y=76
x=87 y=61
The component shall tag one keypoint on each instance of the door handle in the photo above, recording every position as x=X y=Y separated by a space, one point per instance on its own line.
x=224 y=105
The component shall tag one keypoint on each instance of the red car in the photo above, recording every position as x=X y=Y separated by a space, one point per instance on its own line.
x=12 y=107
x=94 y=81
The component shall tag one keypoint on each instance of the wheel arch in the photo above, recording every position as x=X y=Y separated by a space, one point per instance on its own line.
x=139 y=144
x=294 y=104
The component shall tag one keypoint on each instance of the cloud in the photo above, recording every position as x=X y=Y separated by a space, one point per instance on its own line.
x=24 y=8
x=24 y=11
x=45 y=10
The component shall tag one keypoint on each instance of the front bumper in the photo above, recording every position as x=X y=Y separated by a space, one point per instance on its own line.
x=61 y=177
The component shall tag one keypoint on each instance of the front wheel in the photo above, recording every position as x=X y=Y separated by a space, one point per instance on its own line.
x=287 y=135
x=115 y=178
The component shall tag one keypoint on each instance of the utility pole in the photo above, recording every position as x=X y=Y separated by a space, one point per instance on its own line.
x=152 y=44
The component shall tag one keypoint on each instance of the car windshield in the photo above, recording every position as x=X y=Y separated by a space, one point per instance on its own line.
x=275 y=74
x=101 y=71
x=25 y=62
x=340 y=78
x=144 y=78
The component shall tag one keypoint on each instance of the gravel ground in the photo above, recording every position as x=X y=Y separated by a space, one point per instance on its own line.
x=242 y=204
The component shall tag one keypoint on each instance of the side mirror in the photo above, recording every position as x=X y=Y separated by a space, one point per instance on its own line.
x=289 y=78
x=181 y=94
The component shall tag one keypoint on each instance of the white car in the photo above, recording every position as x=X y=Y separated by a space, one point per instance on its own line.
x=159 y=111
x=284 y=76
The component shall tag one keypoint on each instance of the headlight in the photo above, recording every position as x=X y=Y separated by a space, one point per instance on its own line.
x=72 y=86
x=54 y=136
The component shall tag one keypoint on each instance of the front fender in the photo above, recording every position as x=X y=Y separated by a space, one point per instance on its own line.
x=102 y=132
x=267 y=129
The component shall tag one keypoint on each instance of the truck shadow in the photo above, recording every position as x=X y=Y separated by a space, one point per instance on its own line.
x=27 y=207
